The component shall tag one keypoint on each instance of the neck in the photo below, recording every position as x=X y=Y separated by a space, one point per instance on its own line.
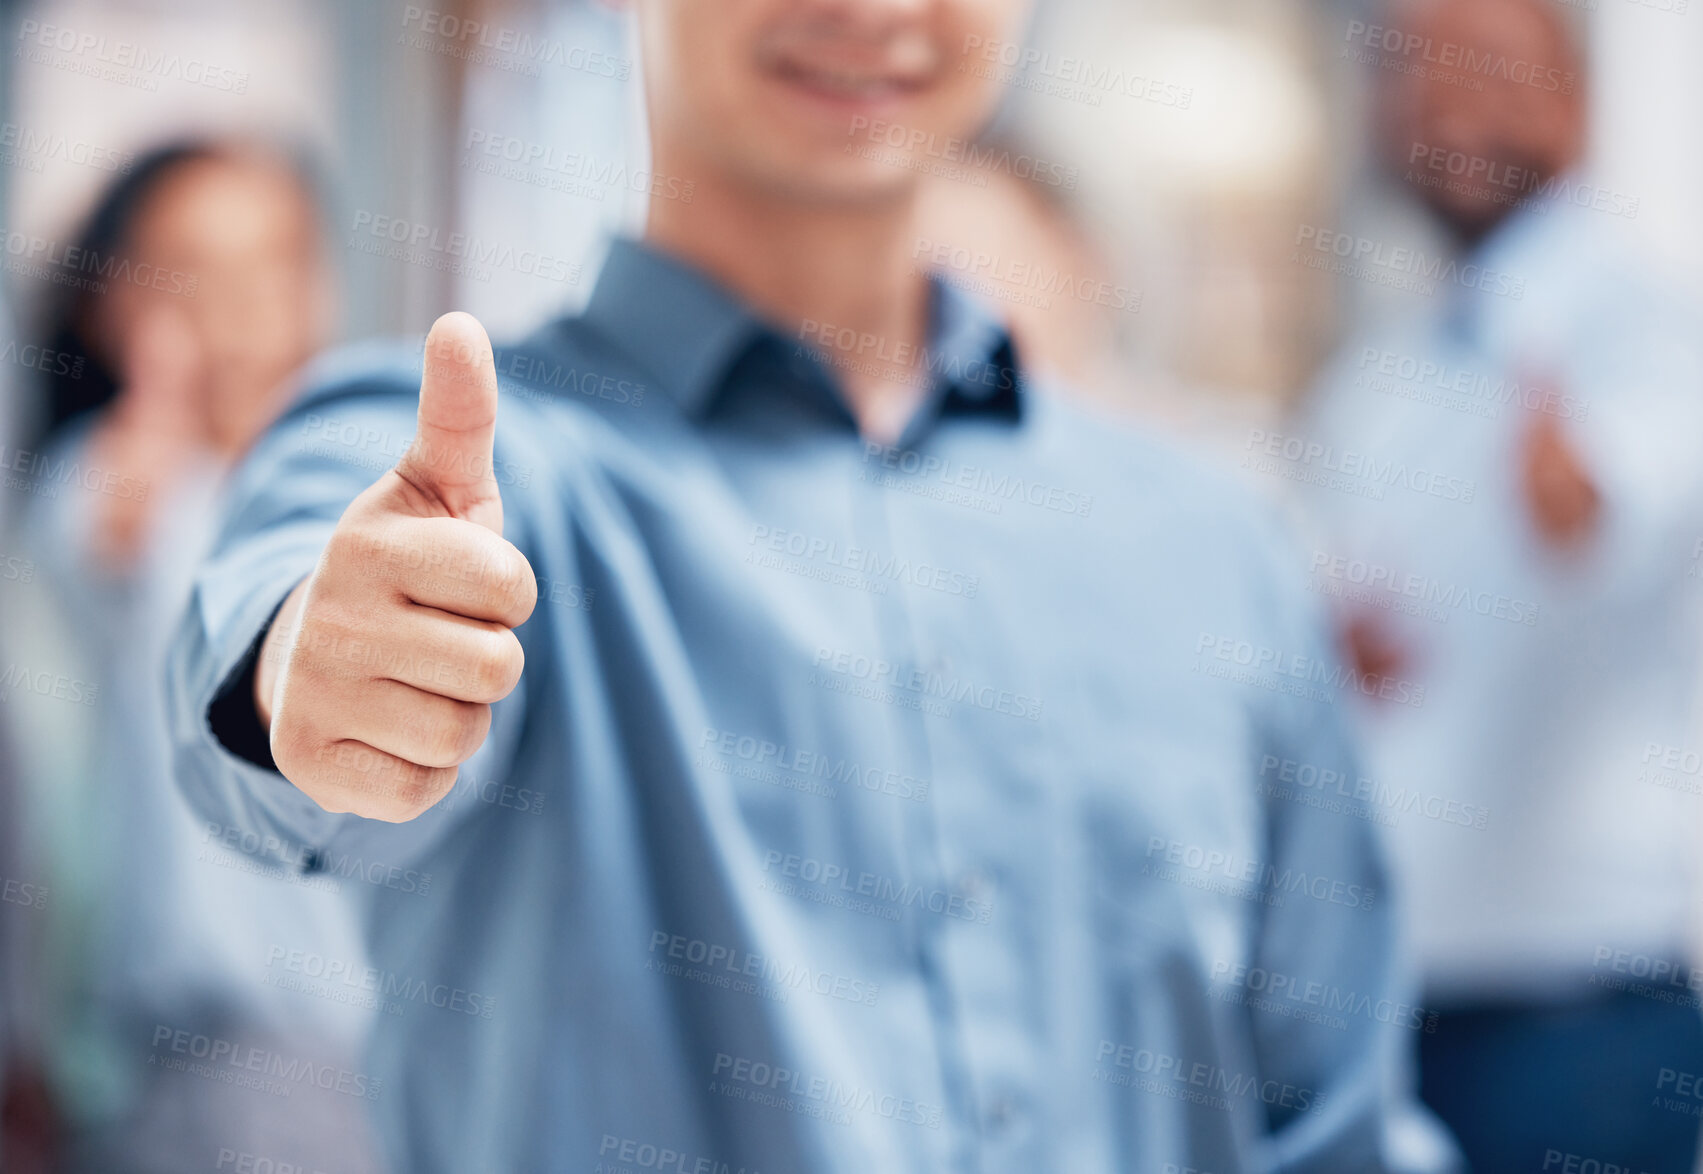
x=1470 y=234
x=799 y=263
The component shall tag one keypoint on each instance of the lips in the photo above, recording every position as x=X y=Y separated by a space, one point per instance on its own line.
x=843 y=84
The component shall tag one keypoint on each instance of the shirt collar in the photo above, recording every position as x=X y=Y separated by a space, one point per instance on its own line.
x=671 y=319
x=1519 y=249
x=690 y=332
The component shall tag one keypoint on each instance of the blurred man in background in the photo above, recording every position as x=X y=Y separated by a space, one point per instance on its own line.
x=210 y=291
x=879 y=794
x=1540 y=423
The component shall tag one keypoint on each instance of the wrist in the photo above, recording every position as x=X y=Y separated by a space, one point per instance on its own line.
x=269 y=668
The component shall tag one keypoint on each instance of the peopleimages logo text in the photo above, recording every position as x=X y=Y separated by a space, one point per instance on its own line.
x=1417 y=52
x=1405 y=261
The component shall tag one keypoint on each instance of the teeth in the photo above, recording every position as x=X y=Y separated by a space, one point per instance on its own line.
x=842 y=81
x=857 y=84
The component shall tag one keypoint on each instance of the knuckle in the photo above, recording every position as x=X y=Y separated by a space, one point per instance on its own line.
x=521 y=592
x=456 y=736
x=473 y=725
x=363 y=565
x=350 y=767
x=526 y=599
x=440 y=744
x=417 y=789
x=356 y=544
x=295 y=745
x=335 y=643
x=347 y=777
x=496 y=669
x=502 y=575
x=508 y=581
x=376 y=785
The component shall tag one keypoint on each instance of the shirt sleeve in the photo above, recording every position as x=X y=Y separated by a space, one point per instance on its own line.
x=284 y=502
x=1329 y=939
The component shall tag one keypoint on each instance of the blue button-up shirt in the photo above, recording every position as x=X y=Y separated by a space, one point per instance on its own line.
x=978 y=803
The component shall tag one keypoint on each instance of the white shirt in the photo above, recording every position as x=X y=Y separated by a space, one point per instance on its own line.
x=1533 y=822
x=184 y=929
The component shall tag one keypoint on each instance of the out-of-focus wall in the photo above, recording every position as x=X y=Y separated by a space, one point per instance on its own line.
x=1647 y=105
x=120 y=74
x=1187 y=183
x=370 y=91
x=1232 y=129
x=550 y=151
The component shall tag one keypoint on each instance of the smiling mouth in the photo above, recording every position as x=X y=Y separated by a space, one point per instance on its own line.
x=841 y=84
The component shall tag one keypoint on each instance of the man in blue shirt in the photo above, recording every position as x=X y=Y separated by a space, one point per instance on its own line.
x=895 y=779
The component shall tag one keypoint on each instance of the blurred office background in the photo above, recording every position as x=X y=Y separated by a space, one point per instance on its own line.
x=1245 y=120
x=1242 y=126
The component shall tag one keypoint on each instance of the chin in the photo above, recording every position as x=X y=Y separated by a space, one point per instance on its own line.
x=1470 y=219
x=831 y=176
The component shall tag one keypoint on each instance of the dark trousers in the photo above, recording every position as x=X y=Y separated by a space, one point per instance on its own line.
x=1607 y=1084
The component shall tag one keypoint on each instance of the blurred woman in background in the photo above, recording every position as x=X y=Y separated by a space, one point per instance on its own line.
x=198 y=287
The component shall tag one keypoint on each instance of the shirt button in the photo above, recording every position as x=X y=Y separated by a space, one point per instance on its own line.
x=1001 y=1114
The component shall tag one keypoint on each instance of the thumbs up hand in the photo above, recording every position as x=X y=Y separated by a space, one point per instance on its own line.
x=382 y=666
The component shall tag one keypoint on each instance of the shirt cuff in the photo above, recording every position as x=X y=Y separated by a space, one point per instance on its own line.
x=231 y=715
